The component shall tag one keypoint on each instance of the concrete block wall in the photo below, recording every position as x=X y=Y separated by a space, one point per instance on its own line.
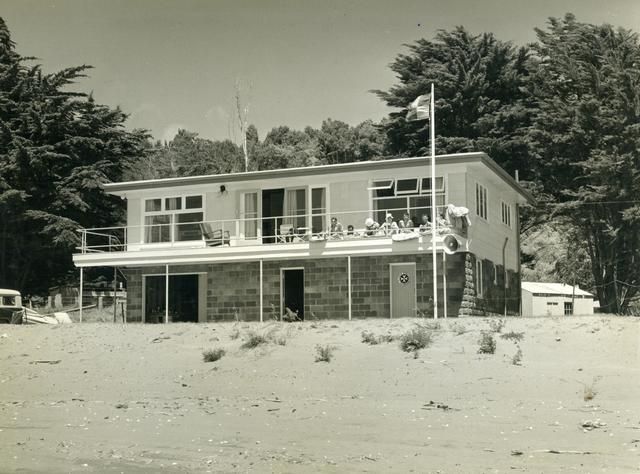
x=233 y=289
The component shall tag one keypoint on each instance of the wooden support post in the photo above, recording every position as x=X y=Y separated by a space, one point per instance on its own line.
x=261 y=307
x=444 y=282
x=115 y=293
x=349 y=283
x=81 y=291
x=166 y=294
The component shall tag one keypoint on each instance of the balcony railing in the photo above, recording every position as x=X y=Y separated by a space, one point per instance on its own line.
x=285 y=229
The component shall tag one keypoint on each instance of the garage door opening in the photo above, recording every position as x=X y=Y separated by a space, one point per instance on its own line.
x=183 y=299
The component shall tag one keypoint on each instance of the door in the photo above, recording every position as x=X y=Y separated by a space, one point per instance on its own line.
x=272 y=210
x=292 y=285
x=183 y=298
x=402 y=289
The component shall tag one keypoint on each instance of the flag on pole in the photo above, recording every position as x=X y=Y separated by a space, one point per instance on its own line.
x=419 y=108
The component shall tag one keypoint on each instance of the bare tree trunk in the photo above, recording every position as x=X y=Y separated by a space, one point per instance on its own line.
x=243 y=121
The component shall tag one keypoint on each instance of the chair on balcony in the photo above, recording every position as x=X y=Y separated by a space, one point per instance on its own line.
x=214 y=238
x=286 y=233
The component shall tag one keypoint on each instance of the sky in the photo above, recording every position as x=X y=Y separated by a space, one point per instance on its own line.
x=174 y=64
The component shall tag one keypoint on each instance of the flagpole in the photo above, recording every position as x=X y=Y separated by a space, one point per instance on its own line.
x=434 y=211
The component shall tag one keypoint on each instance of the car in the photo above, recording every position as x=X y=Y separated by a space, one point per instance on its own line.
x=11 y=310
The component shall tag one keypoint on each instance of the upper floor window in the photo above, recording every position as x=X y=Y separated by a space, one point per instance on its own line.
x=506 y=214
x=173 y=218
x=481 y=201
x=411 y=195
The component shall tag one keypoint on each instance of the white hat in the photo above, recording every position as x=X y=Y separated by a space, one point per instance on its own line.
x=389 y=215
x=368 y=221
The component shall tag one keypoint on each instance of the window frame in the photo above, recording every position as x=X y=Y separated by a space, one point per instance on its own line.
x=482 y=201
x=172 y=213
x=505 y=214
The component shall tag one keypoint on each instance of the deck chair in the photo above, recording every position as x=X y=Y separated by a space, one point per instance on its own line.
x=214 y=238
x=286 y=233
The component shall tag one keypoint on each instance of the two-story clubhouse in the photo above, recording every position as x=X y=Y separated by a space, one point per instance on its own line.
x=263 y=244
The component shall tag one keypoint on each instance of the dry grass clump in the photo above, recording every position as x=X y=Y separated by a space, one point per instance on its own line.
x=496 y=325
x=517 y=357
x=590 y=391
x=487 y=343
x=458 y=329
x=213 y=355
x=431 y=325
x=415 y=339
x=324 y=353
x=253 y=340
x=513 y=336
x=369 y=338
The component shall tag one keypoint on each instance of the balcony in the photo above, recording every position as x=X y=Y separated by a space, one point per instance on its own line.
x=250 y=238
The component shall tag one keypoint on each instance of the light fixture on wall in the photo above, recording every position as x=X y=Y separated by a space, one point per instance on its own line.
x=223 y=189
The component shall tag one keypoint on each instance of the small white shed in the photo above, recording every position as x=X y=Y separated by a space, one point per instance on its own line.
x=554 y=299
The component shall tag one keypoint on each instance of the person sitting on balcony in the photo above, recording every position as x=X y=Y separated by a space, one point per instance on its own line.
x=335 y=229
x=425 y=227
x=406 y=224
x=371 y=227
x=389 y=226
x=350 y=231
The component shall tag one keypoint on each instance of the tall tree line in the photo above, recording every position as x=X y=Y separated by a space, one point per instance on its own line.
x=564 y=112
x=56 y=148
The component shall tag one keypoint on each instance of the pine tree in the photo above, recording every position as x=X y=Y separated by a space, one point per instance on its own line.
x=585 y=141
x=56 y=148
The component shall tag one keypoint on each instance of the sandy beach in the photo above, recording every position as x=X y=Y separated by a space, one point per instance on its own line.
x=139 y=398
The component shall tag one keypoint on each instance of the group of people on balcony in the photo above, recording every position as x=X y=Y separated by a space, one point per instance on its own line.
x=454 y=219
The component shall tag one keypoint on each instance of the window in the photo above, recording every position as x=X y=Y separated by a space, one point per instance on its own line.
x=318 y=210
x=173 y=219
x=249 y=215
x=381 y=184
x=412 y=195
x=8 y=300
x=479 y=286
x=407 y=186
x=481 y=201
x=506 y=214
x=295 y=207
x=568 y=308
x=425 y=185
x=495 y=275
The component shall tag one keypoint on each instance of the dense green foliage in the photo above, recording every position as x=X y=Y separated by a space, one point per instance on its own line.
x=481 y=104
x=585 y=145
x=56 y=147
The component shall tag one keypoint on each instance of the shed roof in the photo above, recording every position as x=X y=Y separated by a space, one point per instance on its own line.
x=560 y=289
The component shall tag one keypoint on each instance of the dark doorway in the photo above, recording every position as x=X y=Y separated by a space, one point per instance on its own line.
x=272 y=210
x=183 y=299
x=293 y=291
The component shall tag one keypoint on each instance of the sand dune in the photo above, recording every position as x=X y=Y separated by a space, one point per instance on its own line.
x=135 y=398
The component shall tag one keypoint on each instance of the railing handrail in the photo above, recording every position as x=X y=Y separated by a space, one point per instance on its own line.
x=116 y=237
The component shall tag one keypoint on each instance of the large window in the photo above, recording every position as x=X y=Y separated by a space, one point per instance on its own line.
x=412 y=195
x=481 y=201
x=173 y=219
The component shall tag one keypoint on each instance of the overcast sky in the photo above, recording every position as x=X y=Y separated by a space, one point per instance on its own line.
x=173 y=64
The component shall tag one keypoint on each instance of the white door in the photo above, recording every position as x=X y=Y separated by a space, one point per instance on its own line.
x=403 y=289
